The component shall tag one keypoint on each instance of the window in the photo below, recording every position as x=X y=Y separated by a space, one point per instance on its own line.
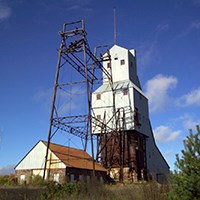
x=22 y=178
x=101 y=179
x=122 y=62
x=81 y=177
x=125 y=91
x=99 y=117
x=108 y=65
x=72 y=177
x=56 y=178
x=98 y=96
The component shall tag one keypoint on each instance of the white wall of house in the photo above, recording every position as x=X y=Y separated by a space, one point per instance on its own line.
x=35 y=159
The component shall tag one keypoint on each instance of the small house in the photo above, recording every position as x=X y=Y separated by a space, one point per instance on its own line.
x=64 y=164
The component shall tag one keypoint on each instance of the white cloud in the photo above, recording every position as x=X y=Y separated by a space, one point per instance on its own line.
x=149 y=50
x=196 y=2
x=157 y=91
x=162 y=27
x=5 y=12
x=44 y=97
x=147 y=53
x=189 y=121
x=164 y=134
x=80 y=8
x=194 y=25
x=192 y=98
x=7 y=170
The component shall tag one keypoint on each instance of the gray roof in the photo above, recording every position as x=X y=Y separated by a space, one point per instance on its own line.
x=118 y=86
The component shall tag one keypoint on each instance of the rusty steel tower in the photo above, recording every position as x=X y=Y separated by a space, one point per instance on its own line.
x=75 y=55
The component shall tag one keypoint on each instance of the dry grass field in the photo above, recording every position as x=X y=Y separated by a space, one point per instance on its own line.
x=83 y=191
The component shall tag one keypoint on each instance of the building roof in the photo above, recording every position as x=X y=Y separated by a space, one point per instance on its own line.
x=117 y=86
x=75 y=158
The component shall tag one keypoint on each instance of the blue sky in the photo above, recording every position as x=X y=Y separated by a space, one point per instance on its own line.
x=165 y=34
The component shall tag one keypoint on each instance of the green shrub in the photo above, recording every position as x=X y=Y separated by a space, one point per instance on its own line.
x=7 y=180
x=57 y=191
x=36 y=180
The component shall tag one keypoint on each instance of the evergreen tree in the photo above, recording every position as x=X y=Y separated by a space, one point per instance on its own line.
x=185 y=179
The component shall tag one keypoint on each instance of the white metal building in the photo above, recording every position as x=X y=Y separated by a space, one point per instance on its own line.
x=126 y=94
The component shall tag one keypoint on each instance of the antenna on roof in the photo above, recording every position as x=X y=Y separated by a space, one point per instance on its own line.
x=115 y=35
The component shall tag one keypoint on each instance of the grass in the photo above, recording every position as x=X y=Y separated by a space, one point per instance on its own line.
x=37 y=189
x=95 y=191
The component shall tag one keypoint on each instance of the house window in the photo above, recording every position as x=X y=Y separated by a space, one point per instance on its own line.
x=22 y=178
x=88 y=178
x=125 y=91
x=72 y=177
x=101 y=179
x=56 y=178
x=122 y=62
x=98 y=96
x=108 y=65
x=81 y=177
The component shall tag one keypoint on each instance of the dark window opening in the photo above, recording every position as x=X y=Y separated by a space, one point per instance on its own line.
x=98 y=96
x=109 y=65
x=122 y=62
x=125 y=91
x=99 y=117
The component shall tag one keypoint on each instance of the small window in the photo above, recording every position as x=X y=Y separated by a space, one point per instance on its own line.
x=56 y=178
x=99 y=117
x=72 y=177
x=116 y=58
x=125 y=91
x=22 y=178
x=81 y=177
x=108 y=65
x=98 y=96
x=122 y=62
x=88 y=178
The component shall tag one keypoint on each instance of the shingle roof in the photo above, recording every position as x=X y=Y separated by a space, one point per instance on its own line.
x=72 y=157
